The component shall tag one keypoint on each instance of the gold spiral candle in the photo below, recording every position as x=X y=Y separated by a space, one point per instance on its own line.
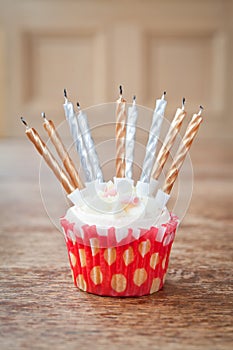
x=168 y=142
x=120 y=135
x=62 y=152
x=185 y=145
x=48 y=157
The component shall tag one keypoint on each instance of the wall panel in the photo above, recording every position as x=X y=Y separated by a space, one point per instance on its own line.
x=90 y=47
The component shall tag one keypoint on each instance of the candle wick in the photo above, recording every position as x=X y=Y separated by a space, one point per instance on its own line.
x=134 y=100
x=163 y=96
x=78 y=105
x=201 y=109
x=183 y=103
x=121 y=91
x=44 y=116
x=65 y=95
x=24 y=122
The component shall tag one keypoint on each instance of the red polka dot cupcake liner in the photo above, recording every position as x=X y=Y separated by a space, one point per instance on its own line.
x=131 y=267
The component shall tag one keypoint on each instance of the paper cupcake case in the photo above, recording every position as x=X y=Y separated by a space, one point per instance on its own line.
x=131 y=267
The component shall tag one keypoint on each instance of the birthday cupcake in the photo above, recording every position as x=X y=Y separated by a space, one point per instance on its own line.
x=118 y=239
x=118 y=233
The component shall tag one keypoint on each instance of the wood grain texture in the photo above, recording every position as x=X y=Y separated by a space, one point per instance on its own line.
x=40 y=307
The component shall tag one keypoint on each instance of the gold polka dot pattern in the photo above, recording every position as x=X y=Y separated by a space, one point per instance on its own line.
x=81 y=283
x=73 y=259
x=140 y=276
x=154 y=260
x=118 y=283
x=96 y=275
x=164 y=262
x=144 y=247
x=82 y=257
x=155 y=285
x=94 y=246
x=110 y=255
x=128 y=256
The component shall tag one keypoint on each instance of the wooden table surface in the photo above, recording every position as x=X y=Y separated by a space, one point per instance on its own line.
x=40 y=307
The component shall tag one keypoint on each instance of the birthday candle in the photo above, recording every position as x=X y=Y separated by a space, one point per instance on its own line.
x=48 y=157
x=153 y=138
x=120 y=135
x=77 y=137
x=130 y=138
x=96 y=172
x=169 y=141
x=62 y=152
x=183 y=149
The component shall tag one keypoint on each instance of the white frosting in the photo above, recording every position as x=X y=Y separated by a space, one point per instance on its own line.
x=135 y=216
x=119 y=205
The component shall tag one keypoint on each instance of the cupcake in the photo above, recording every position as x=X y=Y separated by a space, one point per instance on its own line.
x=118 y=238
x=118 y=234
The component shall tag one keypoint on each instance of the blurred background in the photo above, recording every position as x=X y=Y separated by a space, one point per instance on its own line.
x=90 y=47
